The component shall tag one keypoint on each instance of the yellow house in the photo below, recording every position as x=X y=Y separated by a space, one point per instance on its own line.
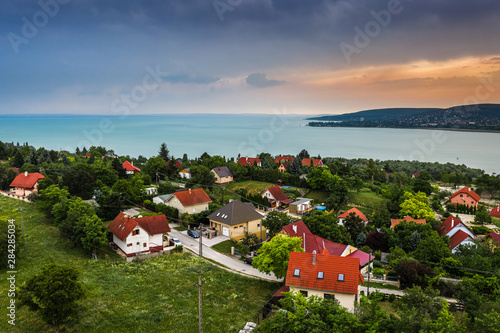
x=222 y=175
x=235 y=218
x=189 y=201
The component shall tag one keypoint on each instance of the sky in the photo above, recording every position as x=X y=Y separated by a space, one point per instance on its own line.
x=246 y=56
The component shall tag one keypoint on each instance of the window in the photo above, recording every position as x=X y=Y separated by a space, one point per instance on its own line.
x=135 y=232
x=129 y=244
x=329 y=296
x=144 y=245
x=235 y=227
x=461 y=195
x=138 y=243
x=341 y=277
x=241 y=226
x=258 y=225
x=296 y=272
x=320 y=275
x=304 y=292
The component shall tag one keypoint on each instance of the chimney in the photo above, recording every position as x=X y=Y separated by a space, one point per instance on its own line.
x=246 y=159
x=219 y=168
x=132 y=163
x=25 y=173
x=469 y=189
x=452 y=222
x=294 y=227
x=189 y=191
x=304 y=240
x=314 y=257
x=323 y=244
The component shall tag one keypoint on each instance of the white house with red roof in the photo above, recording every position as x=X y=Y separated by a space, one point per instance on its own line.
x=495 y=212
x=188 y=201
x=312 y=242
x=276 y=196
x=342 y=217
x=130 y=169
x=249 y=161
x=25 y=183
x=326 y=276
x=312 y=162
x=139 y=235
x=457 y=231
x=465 y=196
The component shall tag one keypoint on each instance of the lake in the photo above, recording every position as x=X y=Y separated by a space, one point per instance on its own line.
x=248 y=135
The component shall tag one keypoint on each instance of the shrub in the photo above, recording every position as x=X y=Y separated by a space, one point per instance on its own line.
x=378 y=271
x=177 y=249
x=392 y=298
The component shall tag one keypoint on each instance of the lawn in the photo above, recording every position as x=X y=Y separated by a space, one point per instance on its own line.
x=180 y=228
x=495 y=221
x=252 y=186
x=223 y=247
x=319 y=197
x=151 y=295
x=366 y=198
x=377 y=285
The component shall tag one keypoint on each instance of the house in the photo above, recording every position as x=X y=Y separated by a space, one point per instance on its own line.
x=283 y=159
x=465 y=196
x=276 y=196
x=356 y=212
x=178 y=164
x=139 y=235
x=222 y=175
x=283 y=167
x=162 y=199
x=493 y=238
x=460 y=238
x=249 y=161
x=130 y=169
x=415 y=175
x=188 y=201
x=185 y=173
x=314 y=161
x=151 y=190
x=451 y=225
x=235 y=218
x=326 y=276
x=495 y=212
x=301 y=206
x=312 y=242
x=26 y=183
x=408 y=219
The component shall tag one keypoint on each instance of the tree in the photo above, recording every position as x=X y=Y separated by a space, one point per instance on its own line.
x=117 y=166
x=79 y=180
x=412 y=273
x=319 y=178
x=417 y=206
x=326 y=226
x=309 y=315
x=201 y=175
x=376 y=241
x=163 y=152
x=432 y=248
x=275 y=221
x=303 y=154
x=274 y=255
x=354 y=225
x=53 y=293
x=357 y=183
x=482 y=216
x=49 y=197
x=95 y=234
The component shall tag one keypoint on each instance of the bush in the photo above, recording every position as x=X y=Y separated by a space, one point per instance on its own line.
x=377 y=263
x=177 y=249
x=481 y=230
x=392 y=298
x=378 y=296
x=378 y=271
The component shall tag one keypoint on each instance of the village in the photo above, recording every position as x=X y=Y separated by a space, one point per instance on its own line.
x=314 y=227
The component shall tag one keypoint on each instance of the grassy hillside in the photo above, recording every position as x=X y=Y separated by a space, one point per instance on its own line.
x=151 y=295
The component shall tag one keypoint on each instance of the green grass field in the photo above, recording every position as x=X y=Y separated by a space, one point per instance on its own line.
x=151 y=295
x=223 y=247
x=319 y=197
x=495 y=221
x=252 y=186
x=366 y=198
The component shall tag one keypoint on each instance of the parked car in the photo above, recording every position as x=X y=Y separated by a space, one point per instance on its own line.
x=176 y=241
x=248 y=260
x=193 y=233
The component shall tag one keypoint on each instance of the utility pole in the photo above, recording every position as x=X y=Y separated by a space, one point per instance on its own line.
x=201 y=243
x=22 y=223
x=200 y=282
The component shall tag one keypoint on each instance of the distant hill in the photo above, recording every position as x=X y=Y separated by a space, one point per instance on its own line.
x=465 y=117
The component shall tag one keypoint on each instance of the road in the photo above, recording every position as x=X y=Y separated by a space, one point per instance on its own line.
x=234 y=265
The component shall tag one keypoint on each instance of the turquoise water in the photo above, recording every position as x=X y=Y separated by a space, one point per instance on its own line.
x=230 y=135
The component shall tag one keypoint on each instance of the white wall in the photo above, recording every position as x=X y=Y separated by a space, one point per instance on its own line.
x=346 y=300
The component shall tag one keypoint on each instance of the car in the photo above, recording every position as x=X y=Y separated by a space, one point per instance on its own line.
x=248 y=260
x=193 y=233
x=176 y=241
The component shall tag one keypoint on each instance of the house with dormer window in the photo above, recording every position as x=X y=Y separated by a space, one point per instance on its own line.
x=465 y=196
x=139 y=235
x=326 y=276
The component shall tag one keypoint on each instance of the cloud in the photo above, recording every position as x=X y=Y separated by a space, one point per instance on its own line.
x=259 y=80
x=187 y=78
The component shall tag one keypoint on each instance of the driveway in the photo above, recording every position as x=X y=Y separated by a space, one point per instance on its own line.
x=234 y=265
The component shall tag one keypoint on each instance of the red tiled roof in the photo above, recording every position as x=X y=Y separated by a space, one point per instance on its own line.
x=283 y=158
x=283 y=289
x=277 y=193
x=26 y=181
x=363 y=257
x=457 y=238
x=495 y=212
x=177 y=164
x=356 y=211
x=130 y=167
x=446 y=226
x=315 y=162
x=467 y=190
x=123 y=225
x=331 y=266
x=15 y=169
x=408 y=218
x=248 y=160
x=192 y=197
x=494 y=236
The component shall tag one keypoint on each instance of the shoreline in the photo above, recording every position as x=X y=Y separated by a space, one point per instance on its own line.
x=416 y=128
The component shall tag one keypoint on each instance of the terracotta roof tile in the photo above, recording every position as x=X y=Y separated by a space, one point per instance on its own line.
x=408 y=219
x=494 y=236
x=467 y=190
x=26 y=181
x=248 y=160
x=450 y=223
x=495 y=212
x=130 y=167
x=458 y=238
x=283 y=158
x=356 y=211
x=192 y=197
x=315 y=162
x=331 y=266
x=277 y=193
x=123 y=225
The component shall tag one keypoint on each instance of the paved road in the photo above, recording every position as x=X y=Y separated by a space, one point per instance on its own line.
x=229 y=263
